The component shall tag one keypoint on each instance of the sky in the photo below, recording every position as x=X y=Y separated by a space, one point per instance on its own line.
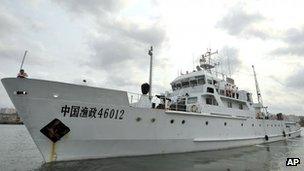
x=106 y=42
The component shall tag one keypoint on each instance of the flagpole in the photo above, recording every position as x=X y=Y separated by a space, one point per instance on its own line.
x=150 y=77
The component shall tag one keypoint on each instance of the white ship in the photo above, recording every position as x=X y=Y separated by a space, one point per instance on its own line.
x=203 y=112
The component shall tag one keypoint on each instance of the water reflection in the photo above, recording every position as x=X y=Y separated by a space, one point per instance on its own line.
x=18 y=152
x=260 y=157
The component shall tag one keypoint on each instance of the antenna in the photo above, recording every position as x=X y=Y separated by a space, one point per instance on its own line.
x=150 y=53
x=192 y=62
x=23 y=60
x=228 y=62
x=205 y=61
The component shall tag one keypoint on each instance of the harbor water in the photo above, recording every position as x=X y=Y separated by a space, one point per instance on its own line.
x=18 y=152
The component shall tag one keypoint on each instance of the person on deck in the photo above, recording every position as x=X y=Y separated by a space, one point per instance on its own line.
x=22 y=74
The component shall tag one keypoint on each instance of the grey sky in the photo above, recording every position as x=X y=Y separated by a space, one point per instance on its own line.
x=106 y=43
x=237 y=21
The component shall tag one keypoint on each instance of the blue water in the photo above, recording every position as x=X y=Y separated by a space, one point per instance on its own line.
x=18 y=152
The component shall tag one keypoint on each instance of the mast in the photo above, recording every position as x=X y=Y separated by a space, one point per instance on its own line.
x=257 y=87
x=150 y=77
x=205 y=61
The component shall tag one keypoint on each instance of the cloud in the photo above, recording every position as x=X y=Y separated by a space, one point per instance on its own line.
x=119 y=47
x=124 y=54
x=294 y=40
x=240 y=23
x=8 y=23
x=296 y=80
x=125 y=43
x=92 y=7
x=297 y=50
x=294 y=36
x=254 y=32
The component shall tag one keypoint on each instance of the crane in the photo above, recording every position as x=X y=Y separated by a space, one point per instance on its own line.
x=260 y=100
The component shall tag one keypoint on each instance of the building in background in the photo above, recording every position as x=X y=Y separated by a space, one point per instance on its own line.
x=293 y=118
x=9 y=116
x=8 y=110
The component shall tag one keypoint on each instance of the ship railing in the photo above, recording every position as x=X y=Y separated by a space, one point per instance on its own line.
x=135 y=97
x=179 y=105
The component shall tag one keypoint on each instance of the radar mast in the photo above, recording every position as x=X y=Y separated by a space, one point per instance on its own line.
x=205 y=61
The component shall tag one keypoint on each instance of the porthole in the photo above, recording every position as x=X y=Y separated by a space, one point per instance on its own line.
x=252 y=124
x=242 y=124
x=225 y=123
x=260 y=125
x=153 y=120
x=172 y=121
x=183 y=121
x=20 y=92
x=55 y=95
x=138 y=119
x=289 y=135
x=206 y=122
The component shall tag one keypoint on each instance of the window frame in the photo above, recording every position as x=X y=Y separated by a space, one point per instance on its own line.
x=194 y=97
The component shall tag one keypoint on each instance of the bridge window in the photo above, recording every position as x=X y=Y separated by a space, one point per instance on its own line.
x=173 y=87
x=209 y=81
x=191 y=100
x=210 y=100
x=241 y=106
x=248 y=97
x=178 y=86
x=229 y=104
x=210 y=90
x=201 y=80
x=185 y=84
x=193 y=83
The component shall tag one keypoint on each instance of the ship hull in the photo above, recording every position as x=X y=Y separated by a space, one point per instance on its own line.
x=112 y=128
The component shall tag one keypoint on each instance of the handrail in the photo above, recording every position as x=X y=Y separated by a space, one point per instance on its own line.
x=135 y=97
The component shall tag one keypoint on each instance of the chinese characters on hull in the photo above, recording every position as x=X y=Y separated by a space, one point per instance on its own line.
x=91 y=112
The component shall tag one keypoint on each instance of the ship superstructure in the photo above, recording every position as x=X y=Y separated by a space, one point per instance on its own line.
x=203 y=91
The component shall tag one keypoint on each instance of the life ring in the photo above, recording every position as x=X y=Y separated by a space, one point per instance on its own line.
x=193 y=108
